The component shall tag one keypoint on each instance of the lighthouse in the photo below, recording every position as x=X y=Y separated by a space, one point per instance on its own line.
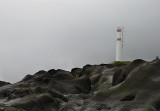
x=119 y=44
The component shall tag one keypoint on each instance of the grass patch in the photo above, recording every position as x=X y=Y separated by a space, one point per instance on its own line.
x=121 y=62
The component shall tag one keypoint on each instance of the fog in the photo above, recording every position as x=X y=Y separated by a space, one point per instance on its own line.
x=63 y=34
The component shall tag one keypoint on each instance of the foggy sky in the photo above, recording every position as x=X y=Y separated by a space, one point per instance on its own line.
x=63 y=34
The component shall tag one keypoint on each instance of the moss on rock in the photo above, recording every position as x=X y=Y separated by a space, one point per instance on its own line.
x=83 y=84
x=35 y=101
x=117 y=77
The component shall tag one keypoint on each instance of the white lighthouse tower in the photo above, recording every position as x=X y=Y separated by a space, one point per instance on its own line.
x=119 y=44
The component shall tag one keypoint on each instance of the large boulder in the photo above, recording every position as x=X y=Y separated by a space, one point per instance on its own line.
x=62 y=75
x=83 y=84
x=141 y=88
x=56 y=94
x=76 y=72
x=36 y=103
x=122 y=72
x=118 y=77
x=27 y=77
x=2 y=83
x=134 y=87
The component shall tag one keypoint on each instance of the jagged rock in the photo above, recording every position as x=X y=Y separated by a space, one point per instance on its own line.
x=40 y=72
x=62 y=75
x=118 y=77
x=87 y=70
x=121 y=73
x=141 y=88
x=136 y=87
x=100 y=107
x=83 y=84
x=22 y=91
x=12 y=109
x=45 y=77
x=62 y=87
x=52 y=71
x=76 y=72
x=57 y=95
x=95 y=79
x=36 y=103
x=2 y=83
x=128 y=98
x=5 y=93
x=27 y=77
x=108 y=65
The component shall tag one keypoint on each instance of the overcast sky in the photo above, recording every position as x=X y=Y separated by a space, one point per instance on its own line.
x=45 y=34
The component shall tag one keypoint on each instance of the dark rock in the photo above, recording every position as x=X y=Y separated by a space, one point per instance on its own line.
x=62 y=75
x=2 y=83
x=38 y=78
x=87 y=69
x=154 y=103
x=108 y=65
x=117 y=77
x=57 y=95
x=52 y=71
x=63 y=87
x=95 y=79
x=85 y=96
x=137 y=62
x=136 y=87
x=36 y=103
x=38 y=90
x=128 y=98
x=22 y=91
x=83 y=84
x=100 y=107
x=46 y=80
x=140 y=89
x=76 y=72
x=13 y=109
x=121 y=73
x=40 y=73
x=27 y=77
x=5 y=93
x=45 y=77
x=87 y=66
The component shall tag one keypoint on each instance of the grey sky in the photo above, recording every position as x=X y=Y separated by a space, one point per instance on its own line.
x=46 y=34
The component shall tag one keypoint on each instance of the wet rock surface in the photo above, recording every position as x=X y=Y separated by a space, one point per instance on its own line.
x=106 y=87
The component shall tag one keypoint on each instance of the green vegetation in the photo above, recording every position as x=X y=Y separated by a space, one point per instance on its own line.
x=121 y=62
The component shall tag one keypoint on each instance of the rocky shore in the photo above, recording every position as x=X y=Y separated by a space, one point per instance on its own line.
x=107 y=87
